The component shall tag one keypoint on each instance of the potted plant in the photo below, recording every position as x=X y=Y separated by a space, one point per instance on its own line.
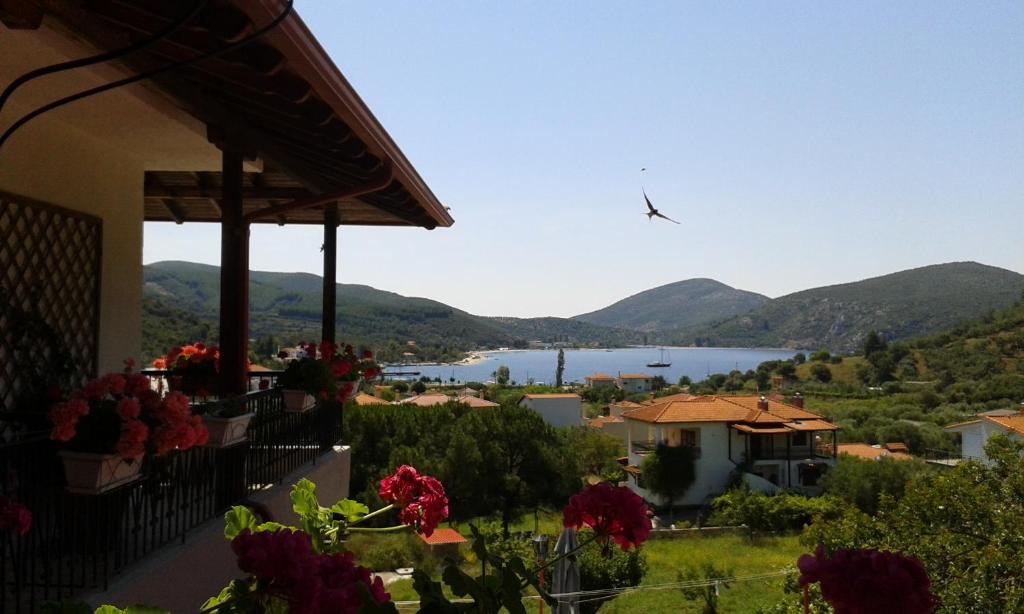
x=192 y=369
x=305 y=379
x=325 y=373
x=112 y=423
x=227 y=422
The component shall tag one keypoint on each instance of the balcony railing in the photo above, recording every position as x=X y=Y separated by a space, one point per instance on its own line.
x=79 y=542
x=648 y=447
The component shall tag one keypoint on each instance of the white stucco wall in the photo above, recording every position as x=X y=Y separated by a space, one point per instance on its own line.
x=76 y=171
x=635 y=386
x=558 y=412
x=973 y=438
x=712 y=467
x=91 y=156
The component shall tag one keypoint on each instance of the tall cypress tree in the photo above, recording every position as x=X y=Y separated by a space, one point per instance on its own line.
x=560 y=368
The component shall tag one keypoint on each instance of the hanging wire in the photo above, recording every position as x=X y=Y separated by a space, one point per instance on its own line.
x=101 y=57
x=599 y=594
x=146 y=74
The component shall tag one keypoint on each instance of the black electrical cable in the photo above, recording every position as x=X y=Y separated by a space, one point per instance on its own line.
x=146 y=74
x=101 y=57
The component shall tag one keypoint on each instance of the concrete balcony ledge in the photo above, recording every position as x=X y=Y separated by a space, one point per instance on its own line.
x=180 y=577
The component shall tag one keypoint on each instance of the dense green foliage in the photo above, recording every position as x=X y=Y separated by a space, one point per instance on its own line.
x=182 y=303
x=902 y=305
x=964 y=525
x=670 y=471
x=675 y=306
x=772 y=513
x=506 y=459
x=864 y=483
x=604 y=568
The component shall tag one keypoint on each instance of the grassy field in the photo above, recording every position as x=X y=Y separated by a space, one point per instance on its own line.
x=842 y=373
x=666 y=557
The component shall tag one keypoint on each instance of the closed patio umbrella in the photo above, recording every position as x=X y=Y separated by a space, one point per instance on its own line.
x=566 y=576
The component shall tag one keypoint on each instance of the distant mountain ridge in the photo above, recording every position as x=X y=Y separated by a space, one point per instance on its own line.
x=181 y=302
x=903 y=305
x=676 y=306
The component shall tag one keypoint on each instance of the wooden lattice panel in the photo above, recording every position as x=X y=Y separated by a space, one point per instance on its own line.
x=49 y=298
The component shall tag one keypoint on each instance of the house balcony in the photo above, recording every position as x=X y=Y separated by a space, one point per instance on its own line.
x=643 y=448
x=83 y=543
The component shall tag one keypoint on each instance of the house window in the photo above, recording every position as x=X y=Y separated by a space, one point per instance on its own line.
x=690 y=438
x=800 y=439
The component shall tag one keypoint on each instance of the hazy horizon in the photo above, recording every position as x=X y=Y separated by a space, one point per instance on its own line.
x=799 y=145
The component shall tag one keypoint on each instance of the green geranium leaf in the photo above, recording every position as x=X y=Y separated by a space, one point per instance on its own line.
x=304 y=500
x=236 y=520
x=350 y=510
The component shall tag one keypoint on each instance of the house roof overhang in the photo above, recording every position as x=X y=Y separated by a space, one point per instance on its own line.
x=279 y=99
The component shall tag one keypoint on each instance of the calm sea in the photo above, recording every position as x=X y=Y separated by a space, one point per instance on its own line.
x=696 y=363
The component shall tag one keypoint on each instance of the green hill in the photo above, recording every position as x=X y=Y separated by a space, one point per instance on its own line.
x=676 y=306
x=182 y=301
x=904 y=305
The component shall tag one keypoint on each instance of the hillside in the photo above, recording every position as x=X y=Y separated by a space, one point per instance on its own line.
x=182 y=303
x=676 y=306
x=904 y=305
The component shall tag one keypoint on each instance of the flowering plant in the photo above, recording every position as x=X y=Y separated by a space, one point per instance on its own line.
x=327 y=373
x=308 y=568
x=866 y=581
x=14 y=516
x=613 y=512
x=192 y=369
x=121 y=413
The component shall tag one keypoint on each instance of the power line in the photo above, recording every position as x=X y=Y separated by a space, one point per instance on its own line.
x=596 y=594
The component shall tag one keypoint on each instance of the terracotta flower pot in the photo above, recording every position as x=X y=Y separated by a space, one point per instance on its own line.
x=224 y=432
x=297 y=400
x=91 y=474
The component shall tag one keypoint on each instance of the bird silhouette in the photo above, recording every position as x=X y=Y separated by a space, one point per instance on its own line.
x=652 y=212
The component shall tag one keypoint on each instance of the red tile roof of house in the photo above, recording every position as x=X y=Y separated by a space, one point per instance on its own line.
x=1013 y=423
x=600 y=421
x=443 y=536
x=870 y=452
x=368 y=399
x=730 y=409
x=599 y=377
x=634 y=376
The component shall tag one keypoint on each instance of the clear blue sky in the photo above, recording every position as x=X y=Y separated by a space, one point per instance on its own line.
x=801 y=144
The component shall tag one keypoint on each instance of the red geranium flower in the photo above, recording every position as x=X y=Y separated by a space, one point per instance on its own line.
x=311 y=583
x=614 y=512
x=421 y=498
x=14 y=516
x=867 y=581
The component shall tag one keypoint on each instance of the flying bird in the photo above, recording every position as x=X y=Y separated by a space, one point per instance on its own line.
x=652 y=212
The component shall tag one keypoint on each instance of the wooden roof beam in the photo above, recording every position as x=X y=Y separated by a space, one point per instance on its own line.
x=381 y=180
x=205 y=192
x=176 y=212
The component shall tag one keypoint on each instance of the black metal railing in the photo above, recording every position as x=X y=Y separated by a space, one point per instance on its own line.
x=648 y=447
x=79 y=542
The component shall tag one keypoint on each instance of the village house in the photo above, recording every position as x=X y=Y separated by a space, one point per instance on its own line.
x=780 y=446
x=635 y=383
x=599 y=380
x=559 y=409
x=431 y=399
x=874 y=452
x=974 y=434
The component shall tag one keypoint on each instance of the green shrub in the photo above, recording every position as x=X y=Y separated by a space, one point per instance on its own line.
x=604 y=568
x=863 y=482
x=387 y=552
x=772 y=513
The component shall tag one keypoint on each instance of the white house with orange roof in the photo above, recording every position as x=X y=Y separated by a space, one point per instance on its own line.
x=781 y=446
x=559 y=409
x=974 y=434
x=635 y=383
x=599 y=380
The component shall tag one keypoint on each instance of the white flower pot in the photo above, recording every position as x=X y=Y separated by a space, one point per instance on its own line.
x=91 y=474
x=297 y=400
x=224 y=432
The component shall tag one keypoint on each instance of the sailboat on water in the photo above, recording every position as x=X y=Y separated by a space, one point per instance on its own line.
x=660 y=363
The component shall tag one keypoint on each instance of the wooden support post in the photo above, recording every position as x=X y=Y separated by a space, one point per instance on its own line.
x=234 y=280
x=330 y=273
x=789 y=463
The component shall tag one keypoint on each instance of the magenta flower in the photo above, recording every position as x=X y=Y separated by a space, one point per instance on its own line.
x=613 y=512
x=421 y=498
x=868 y=581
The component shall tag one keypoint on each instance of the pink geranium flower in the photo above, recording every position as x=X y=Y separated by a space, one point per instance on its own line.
x=612 y=512
x=868 y=581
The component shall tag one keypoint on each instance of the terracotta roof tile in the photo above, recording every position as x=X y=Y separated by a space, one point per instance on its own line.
x=1012 y=423
x=742 y=410
x=599 y=377
x=869 y=452
x=635 y=376
x=443 y=536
